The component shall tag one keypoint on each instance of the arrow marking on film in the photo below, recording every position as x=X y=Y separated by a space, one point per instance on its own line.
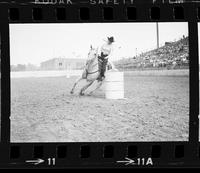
x=35 y=162
x=127 y=161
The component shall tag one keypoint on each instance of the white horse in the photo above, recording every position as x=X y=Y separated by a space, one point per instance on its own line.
x=91 y=71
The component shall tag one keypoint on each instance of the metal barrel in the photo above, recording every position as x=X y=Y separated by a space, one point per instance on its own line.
x=114 y=85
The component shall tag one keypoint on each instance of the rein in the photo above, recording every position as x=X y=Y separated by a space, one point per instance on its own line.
x=99 y=61
x=92 y=72
x=94 y=66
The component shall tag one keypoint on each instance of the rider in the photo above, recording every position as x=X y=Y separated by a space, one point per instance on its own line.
x=106 y=52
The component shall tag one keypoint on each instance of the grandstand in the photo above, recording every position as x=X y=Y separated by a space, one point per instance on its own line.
x=172 y=55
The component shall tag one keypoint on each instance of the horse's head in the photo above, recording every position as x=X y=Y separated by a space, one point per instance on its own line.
x=93 y=52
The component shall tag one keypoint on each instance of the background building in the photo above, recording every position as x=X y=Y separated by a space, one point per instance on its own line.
x=63 y=64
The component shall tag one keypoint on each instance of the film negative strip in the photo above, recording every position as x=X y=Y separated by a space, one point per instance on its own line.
x=99 y=83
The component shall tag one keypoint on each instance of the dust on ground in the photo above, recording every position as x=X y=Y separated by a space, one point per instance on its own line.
x=156 y=108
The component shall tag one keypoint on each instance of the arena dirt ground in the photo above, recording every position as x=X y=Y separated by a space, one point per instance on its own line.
x=156 y=108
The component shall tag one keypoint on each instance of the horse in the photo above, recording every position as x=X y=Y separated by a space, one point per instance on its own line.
x=91 y=72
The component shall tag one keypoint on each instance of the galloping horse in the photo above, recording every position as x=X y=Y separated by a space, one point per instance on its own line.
x=91 y=72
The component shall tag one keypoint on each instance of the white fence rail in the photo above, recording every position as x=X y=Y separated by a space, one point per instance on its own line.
x=69 y=73
x=26 y=74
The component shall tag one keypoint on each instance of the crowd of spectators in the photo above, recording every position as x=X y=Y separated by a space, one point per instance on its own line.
x=171 y=56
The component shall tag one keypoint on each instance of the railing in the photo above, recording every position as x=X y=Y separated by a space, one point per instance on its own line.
x=26 y=74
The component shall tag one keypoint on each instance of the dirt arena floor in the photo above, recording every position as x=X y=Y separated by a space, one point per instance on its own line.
x=156 y=108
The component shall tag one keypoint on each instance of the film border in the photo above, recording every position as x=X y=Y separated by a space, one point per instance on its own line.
x=73 y=159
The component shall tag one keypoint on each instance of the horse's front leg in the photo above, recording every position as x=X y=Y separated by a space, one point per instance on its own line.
x=85 y=87
x=76 y=82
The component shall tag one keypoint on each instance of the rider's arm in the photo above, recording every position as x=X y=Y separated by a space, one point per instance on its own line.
x=110 y=54
x=101 y=50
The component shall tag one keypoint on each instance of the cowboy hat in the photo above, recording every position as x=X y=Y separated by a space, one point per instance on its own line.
x=111 y=39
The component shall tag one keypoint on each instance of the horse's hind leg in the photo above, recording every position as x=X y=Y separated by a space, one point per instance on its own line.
x=85 y=87
x=77 y=81
x=98 y=86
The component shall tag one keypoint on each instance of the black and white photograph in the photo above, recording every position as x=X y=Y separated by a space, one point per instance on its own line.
x=99 y=82
x=0 y=87
x=199 y=69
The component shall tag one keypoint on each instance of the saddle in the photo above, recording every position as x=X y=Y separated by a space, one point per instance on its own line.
x=102 y=64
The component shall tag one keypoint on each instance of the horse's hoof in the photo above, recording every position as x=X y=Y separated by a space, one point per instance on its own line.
x=81 y=94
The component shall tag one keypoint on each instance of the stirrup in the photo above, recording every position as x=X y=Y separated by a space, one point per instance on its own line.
x=100 y=78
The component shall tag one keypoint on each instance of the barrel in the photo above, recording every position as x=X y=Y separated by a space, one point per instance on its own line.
x=114 y=85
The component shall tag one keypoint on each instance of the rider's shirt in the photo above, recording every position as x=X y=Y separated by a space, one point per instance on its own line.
x=106 y=49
